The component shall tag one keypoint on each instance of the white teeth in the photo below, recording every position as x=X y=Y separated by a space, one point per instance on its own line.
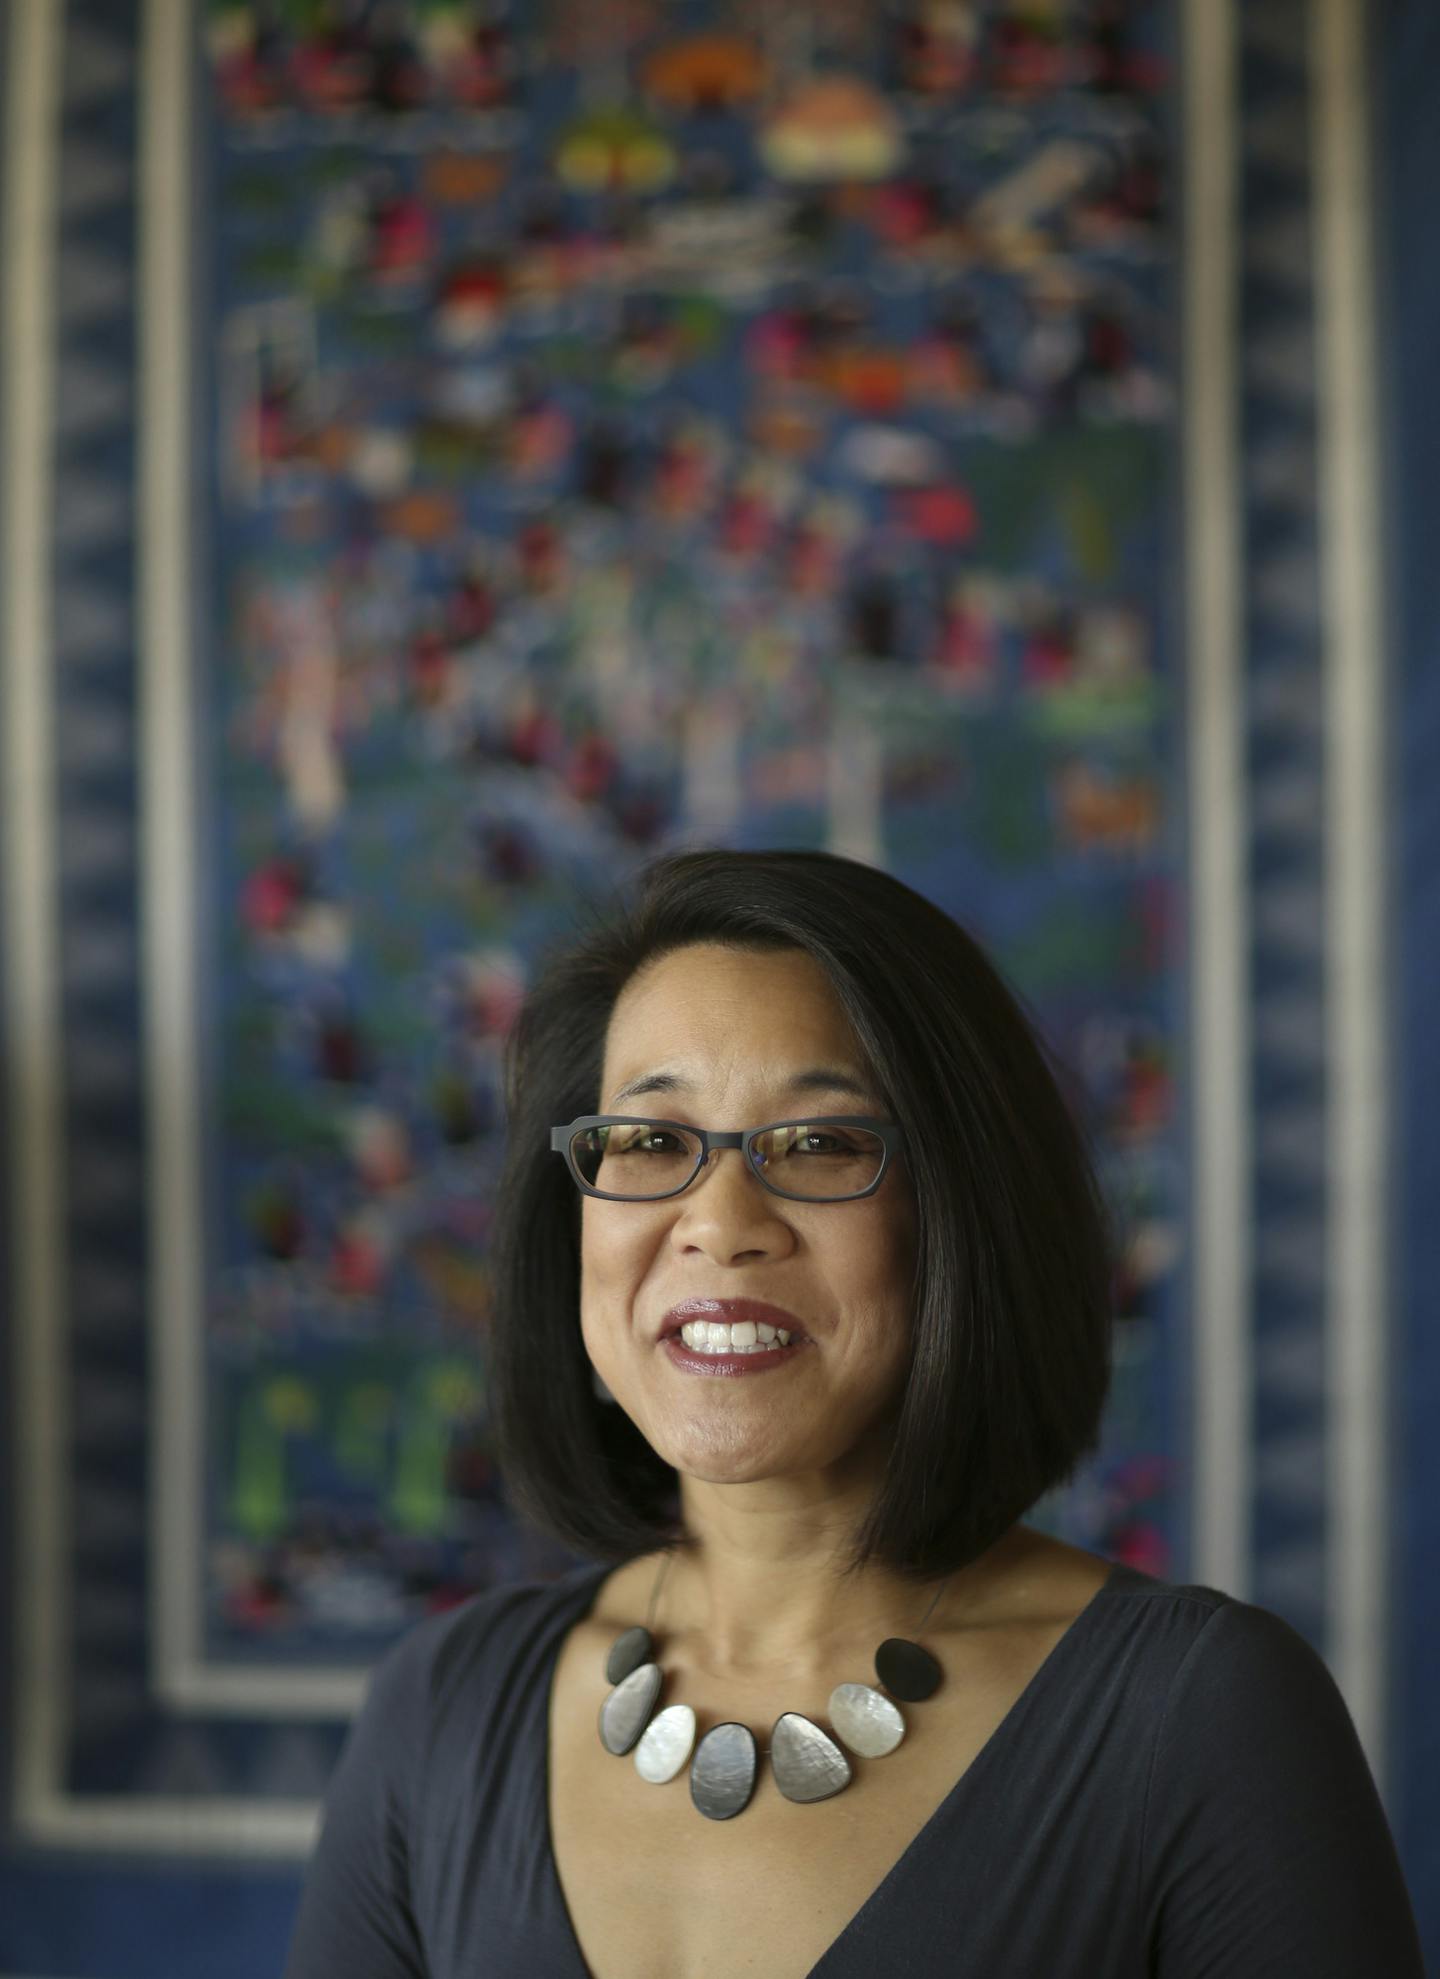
x=745 y=1336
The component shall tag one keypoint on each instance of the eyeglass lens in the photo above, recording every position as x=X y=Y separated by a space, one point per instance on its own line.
x=645 y=1159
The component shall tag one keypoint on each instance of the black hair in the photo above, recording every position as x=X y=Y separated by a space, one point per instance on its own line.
x=1015 y=1250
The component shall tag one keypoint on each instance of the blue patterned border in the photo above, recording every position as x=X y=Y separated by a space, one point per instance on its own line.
x=120 y=1742
x=95 y=715
x=1284 y=740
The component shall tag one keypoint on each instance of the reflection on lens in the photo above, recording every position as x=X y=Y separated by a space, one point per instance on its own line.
x=638 y=1158
x=820 y=1161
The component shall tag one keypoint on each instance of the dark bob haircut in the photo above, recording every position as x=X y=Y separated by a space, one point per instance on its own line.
x=1015 y=1258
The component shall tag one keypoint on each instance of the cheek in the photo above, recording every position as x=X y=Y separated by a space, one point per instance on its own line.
x=614 y=1254
x=889 y=1241
x=889 y=1266
x=906 y=1226
x=602 y=1239
x=595 y=1265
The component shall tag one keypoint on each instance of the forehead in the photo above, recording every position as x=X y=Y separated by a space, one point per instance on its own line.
x=728 y=1006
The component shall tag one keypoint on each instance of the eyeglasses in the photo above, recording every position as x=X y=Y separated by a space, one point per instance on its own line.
x=622 y=1158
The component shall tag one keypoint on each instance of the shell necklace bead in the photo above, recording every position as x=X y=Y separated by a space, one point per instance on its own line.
x=807 y=1762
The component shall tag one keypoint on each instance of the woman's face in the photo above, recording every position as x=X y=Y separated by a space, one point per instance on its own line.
x=733 y=1029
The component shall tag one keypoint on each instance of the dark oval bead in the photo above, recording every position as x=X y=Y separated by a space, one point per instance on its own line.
x=906 y=1670
x=627 y=1653
x=722 y=1773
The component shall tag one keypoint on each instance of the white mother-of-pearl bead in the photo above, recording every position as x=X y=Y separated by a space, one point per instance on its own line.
x=665 y=1744
x=866 y=1720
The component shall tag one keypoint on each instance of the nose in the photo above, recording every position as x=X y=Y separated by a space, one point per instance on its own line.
x=728 y=1212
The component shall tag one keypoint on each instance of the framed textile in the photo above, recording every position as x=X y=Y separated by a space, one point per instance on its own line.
x=483 y=446
x=752 y=434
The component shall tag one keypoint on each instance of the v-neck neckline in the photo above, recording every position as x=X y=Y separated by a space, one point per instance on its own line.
x=1042 y=1677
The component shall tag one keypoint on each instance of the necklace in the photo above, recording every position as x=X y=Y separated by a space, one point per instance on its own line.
x=807 y=1763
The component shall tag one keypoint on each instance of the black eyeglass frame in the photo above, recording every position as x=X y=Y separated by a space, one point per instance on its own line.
x=891 y=1136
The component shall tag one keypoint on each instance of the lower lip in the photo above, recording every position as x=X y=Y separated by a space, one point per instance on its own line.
x=689 y=1362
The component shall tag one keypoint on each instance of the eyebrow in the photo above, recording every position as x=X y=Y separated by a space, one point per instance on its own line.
x=817 y=1079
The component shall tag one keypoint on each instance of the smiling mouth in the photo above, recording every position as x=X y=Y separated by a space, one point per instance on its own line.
x=740 y=1336
x=723 y=1358
x=734 y=1322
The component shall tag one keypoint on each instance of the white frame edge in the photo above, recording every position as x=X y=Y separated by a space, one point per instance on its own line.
x=34 y=1045
x=124 y=1824
x=1356 y=934
x=1221 y=1242
x=166 y=861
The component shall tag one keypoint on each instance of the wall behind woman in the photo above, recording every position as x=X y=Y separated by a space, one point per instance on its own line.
x=450 y=459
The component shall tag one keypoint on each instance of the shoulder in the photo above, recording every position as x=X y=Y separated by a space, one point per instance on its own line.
x=1188 y=1662
x=1255 y=1683
x=1245 y=1727
x=1216 y=1640
x=1212 y=1642
x=1257 y=1786
x=1243 y=1712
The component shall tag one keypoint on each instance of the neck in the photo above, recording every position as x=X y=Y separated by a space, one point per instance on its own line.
x=759 y=1586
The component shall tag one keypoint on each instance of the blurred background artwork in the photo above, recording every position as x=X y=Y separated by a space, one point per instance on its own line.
x=525 y=436
x=634 y=427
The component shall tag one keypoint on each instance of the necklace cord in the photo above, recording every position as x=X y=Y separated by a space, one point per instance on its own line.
x=655 y=1590
x=664 y=1569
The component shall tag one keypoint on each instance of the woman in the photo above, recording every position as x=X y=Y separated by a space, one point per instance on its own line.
x=790 y=1388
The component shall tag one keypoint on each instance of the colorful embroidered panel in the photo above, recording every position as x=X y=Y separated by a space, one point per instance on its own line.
x=635 y=427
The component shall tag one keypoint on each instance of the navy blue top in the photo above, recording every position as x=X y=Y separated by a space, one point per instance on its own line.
x=1178 y=1791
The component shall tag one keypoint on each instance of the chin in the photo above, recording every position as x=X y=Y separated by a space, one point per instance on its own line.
x=725 y=1453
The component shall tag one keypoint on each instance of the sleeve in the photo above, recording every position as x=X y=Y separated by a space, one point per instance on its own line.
x=356 y=1918
x=1265 y=1848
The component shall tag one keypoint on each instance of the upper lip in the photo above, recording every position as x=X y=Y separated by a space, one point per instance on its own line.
x=729 y=1309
